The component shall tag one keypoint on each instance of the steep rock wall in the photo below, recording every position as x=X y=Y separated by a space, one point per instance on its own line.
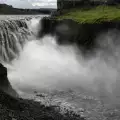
x=5 y=85
x=71 y=32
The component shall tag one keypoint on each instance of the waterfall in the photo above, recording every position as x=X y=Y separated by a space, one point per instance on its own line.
x=13 y=35
x=45 y=66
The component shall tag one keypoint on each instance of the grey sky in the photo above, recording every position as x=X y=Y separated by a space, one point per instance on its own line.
x=32 y=3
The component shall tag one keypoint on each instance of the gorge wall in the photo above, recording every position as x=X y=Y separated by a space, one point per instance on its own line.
x=82 y=35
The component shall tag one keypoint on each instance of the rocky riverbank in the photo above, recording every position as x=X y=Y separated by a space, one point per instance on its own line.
x=15 y=108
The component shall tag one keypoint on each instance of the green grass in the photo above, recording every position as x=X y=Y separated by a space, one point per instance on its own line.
x=93 y=15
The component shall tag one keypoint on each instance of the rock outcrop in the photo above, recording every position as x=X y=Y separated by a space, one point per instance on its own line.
x=5 y=85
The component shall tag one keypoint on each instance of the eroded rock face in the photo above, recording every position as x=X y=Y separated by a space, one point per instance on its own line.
x=4 y=82
x=83 y=35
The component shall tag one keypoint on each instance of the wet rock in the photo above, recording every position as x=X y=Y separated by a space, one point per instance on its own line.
x=4 y=82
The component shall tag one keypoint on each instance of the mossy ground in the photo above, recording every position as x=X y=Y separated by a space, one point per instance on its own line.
x=93 y=15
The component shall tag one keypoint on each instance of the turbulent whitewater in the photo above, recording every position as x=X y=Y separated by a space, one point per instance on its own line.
x=44 y=66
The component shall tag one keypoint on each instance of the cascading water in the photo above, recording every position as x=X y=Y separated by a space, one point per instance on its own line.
x=44 y=66
x=13 y=34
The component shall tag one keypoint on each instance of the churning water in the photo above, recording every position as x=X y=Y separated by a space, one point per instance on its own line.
x=43 y=65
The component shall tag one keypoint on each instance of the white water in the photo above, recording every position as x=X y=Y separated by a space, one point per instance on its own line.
x=47 y=66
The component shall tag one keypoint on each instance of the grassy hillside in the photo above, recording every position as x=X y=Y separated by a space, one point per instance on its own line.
x=93 y=15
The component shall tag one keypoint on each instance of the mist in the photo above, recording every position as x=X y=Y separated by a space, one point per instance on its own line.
x=43 y=65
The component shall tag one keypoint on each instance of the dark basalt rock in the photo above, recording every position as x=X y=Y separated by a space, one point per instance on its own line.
x=47 y=26
x=4 y=82
x=70 y=32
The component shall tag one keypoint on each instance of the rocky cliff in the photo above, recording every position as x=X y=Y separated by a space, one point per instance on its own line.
x=71 y=32
x=5 y=85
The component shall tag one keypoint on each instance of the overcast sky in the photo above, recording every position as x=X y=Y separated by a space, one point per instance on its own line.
x=32 y=3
